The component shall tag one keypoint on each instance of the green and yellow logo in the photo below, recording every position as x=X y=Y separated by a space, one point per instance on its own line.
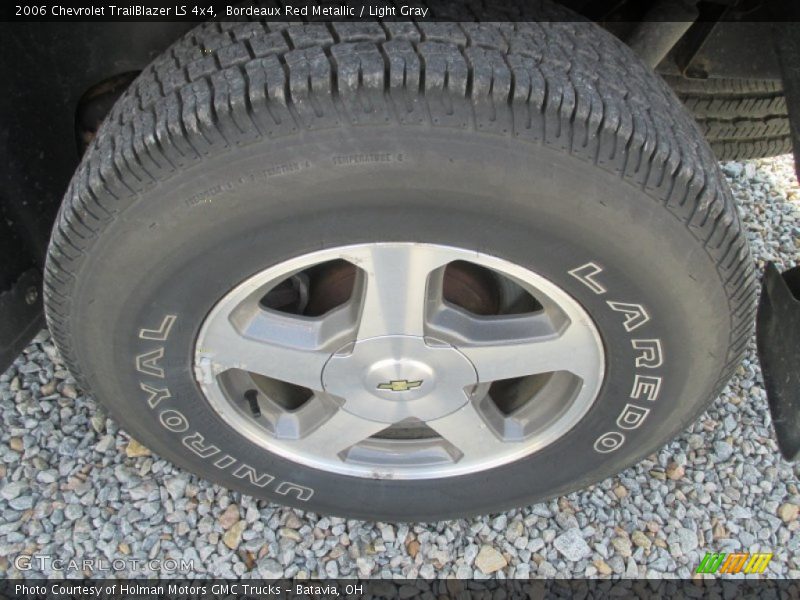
x=733 y=563
x=400 y=385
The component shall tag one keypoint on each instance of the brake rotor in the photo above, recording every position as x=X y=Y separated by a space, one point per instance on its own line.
x=466 y=285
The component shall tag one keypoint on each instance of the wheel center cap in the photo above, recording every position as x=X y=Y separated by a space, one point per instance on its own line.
x=392 y=378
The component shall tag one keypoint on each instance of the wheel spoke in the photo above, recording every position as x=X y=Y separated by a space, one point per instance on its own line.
x=396 y=297
x=467 y=430
x=285 y=347
x=574 y=349
x=339 y=432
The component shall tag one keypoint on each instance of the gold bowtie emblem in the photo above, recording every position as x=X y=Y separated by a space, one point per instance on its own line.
x=400 y=385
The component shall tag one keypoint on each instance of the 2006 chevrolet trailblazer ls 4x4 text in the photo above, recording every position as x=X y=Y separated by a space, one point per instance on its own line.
x=400 y=270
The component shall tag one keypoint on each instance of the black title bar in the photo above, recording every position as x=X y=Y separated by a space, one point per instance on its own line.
x=355 y=10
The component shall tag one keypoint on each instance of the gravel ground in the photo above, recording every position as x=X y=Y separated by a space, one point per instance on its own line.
x=75 y=486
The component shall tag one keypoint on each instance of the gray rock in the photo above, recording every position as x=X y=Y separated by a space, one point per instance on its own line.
x=176 y=486
x=687 y=539
x=269 y=568
x=572 y=545
x=21 y=503
x=723 y=450
x=13 y=489
x=332 y=569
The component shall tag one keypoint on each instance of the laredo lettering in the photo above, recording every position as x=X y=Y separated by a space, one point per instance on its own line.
x=632 y=416
x=649 y=355
x=646 y=386
x=586 y=275
x=635 y=314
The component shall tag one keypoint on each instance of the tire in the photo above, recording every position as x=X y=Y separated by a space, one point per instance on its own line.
x=741 y=118
x=545 y=145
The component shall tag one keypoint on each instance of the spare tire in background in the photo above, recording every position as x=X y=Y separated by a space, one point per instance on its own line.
x=741 y=118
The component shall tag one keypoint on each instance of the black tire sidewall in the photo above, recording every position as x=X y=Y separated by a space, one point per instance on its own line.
x=191 y=239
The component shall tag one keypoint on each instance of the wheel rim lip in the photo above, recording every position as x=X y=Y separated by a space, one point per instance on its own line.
x=213 y=392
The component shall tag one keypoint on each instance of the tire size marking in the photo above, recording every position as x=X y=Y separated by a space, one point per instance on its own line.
x=649 y=355
x=348 y=160
x=176 y=422
x=209 y=195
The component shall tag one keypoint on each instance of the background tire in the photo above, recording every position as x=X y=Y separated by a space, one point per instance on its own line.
x=546 y=144
x=741 y=118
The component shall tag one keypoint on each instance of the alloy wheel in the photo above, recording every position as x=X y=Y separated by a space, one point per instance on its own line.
x=399 y=360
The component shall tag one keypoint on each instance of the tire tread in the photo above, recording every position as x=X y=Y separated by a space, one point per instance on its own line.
x=741 y=118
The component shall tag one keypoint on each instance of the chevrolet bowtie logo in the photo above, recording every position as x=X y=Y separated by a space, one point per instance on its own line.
x=400 y=385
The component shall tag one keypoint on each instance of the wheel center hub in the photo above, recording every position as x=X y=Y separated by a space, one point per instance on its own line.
x=393 y=378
